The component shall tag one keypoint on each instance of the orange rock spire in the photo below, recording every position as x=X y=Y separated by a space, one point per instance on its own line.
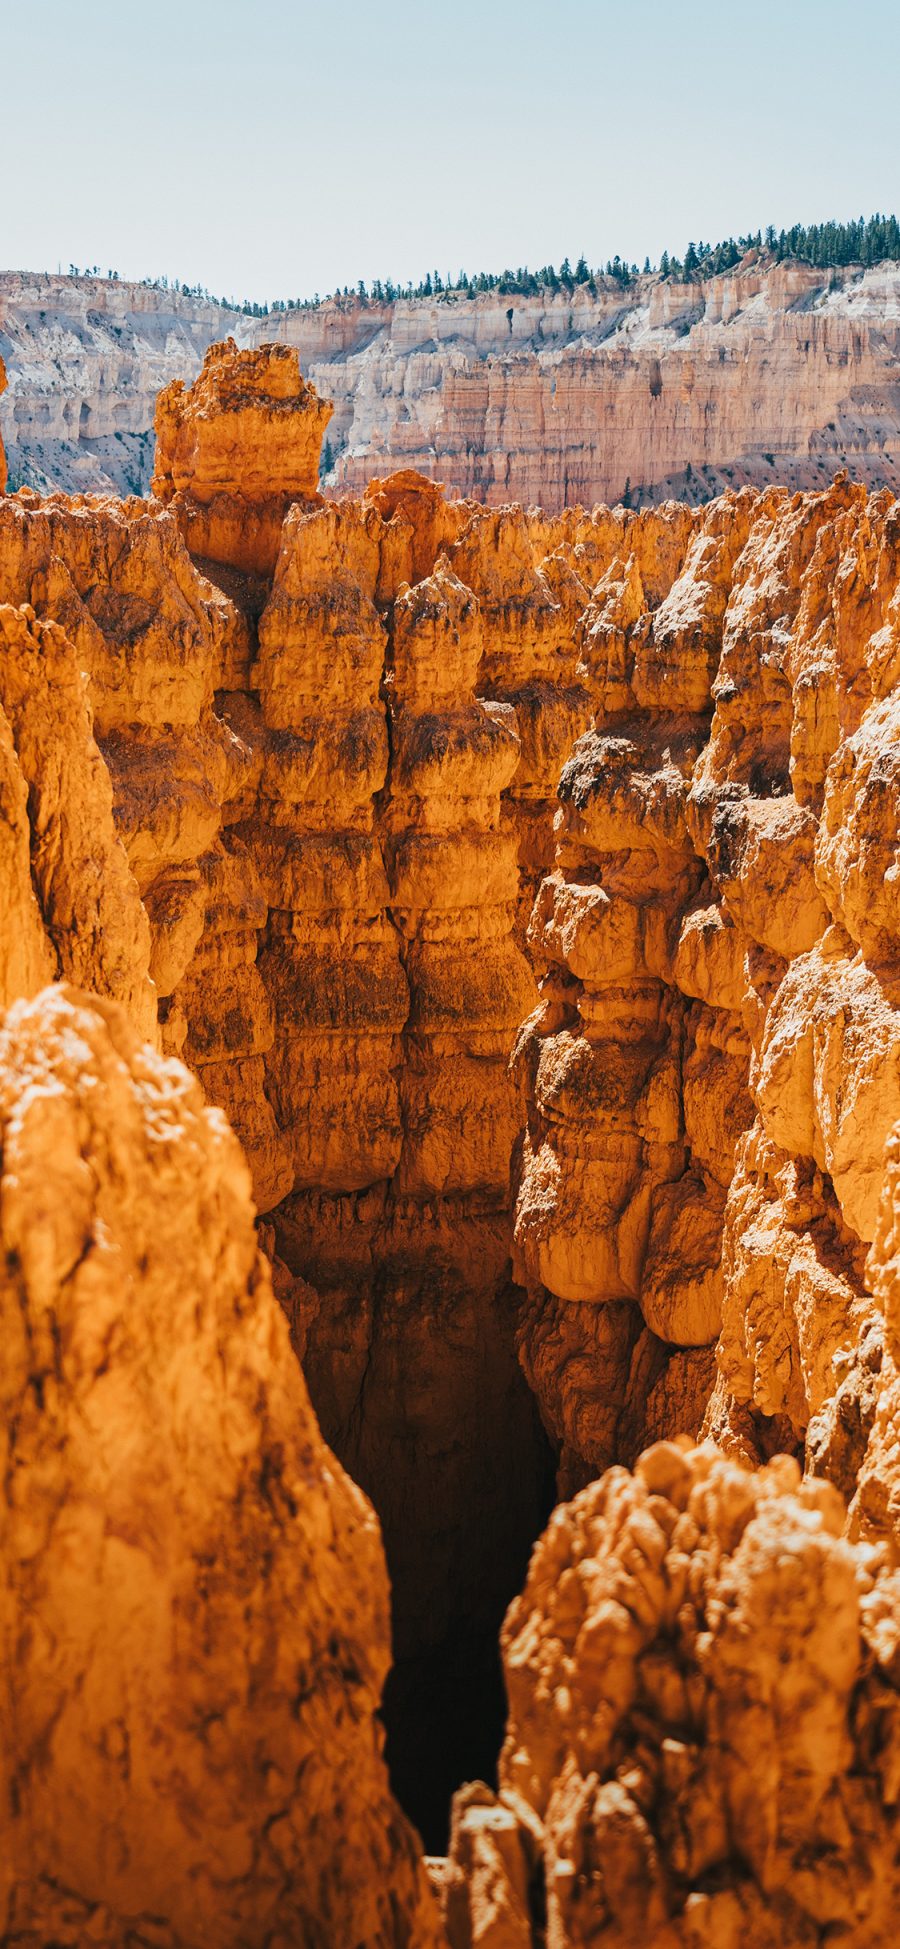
x=194 y=1595
x=236 y=448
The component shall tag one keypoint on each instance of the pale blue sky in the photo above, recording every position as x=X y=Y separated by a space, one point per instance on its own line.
x=277 y=150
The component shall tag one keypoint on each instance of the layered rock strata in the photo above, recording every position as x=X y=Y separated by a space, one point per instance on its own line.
x=709 y=1076
x=87 y=359
x=766 y=373
x=71 y=904
x=395 y=988
x=309 y=797
x=156 y=640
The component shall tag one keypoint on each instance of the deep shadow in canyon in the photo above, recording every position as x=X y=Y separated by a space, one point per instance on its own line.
x=416 y=1384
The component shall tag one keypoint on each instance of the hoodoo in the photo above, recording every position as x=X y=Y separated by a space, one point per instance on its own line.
x=522 y=890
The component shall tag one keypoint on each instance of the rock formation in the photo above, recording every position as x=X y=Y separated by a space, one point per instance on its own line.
x=703 y=1744
x=709 y=1076
x=236 y=451
x=764 y=374
x=194 y=1599
x=72 y=905
x=3 y=471
x=87 y=358
x=754 y=376
x=346 y=803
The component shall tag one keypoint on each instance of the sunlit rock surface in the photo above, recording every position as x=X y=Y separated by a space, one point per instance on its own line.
x=703 y=1737
x=194 y=1597
x=764 y=374
x=521 y=886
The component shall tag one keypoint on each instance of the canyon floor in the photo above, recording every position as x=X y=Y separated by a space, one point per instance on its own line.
x=449 y=1197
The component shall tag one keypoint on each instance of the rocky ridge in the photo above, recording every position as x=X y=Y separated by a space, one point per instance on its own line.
x=770 y=373
x=323 y=789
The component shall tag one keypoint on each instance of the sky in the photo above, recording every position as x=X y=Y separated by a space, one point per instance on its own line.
x=276 y=150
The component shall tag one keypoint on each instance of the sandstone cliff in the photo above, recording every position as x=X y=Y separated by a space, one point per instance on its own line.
x=373 y=791
x=710 y=1074
x=194 y=1603
x=758 y=375
x=86 y=359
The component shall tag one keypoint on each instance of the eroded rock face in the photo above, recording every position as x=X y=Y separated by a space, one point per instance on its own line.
x=194 y=1596
x=73 y=906
x=87 y=359
x=236 y=448
x=395 y=987
x=702 y=1745
x=764 y=374
x=366 y=787
x=710 y=1075
x=155 y=640
x=777 y=373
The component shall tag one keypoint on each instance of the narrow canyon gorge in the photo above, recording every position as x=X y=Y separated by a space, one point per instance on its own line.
x=450 y=1164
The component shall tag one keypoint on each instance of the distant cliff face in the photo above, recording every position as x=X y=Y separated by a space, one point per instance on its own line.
x=755 y=376
x=667 y=388
x=85 y=360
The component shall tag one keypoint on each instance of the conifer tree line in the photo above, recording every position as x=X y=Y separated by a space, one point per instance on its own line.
x=826 y=246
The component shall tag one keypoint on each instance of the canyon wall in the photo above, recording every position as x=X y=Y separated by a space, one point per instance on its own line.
x=713 y=1055
x=86 y=358
x=703 y=1734
x=707 y=1198
x=768 y=373
x=346 y=803
x=195 y=1603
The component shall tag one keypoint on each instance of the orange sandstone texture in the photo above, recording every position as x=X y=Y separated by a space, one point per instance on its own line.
x=395 y=987
x=72 y=905
x=194 y=1598
x=387 y=989
x=870 y=1391
x=156 y=640
x=236 y=448
x=341 y=759
x=703 y=1745
x=710 y=1077
x=336 y=854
